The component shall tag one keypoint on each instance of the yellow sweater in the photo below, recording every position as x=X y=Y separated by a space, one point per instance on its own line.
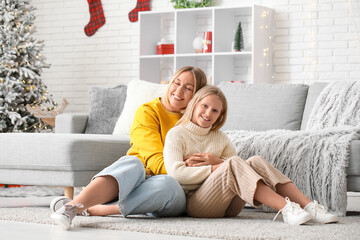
x=147 y=135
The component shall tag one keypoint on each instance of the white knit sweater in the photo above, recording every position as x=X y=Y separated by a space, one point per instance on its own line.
x=188 y=139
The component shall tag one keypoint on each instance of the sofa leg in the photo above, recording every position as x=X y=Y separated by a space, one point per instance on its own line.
x=69 y=192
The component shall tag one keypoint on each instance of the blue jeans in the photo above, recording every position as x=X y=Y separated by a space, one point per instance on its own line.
x=159 y=195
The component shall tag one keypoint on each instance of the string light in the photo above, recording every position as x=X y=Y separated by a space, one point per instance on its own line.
x=268 y=40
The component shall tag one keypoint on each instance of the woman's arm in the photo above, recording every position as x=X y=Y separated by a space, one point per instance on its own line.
x=146 y=140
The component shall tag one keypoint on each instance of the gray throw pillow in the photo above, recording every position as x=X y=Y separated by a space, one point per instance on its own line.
x=262 y=107
x=106 y=105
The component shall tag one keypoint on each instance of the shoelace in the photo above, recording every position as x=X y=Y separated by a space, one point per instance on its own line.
x=70 y=210
x=319 y=208
x=85 y=213
x=293 y=207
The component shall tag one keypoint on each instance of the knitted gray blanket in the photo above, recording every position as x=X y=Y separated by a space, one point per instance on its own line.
x=314 y=159
x=337 y=105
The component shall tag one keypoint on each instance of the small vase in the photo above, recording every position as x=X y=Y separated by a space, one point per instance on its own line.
x=207 y=42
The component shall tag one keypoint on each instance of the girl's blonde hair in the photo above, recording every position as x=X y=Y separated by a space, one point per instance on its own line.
x=203 y=92
x=200 y=81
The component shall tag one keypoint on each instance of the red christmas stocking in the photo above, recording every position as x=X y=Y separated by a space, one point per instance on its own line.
x=141 y=5
x=97 y=18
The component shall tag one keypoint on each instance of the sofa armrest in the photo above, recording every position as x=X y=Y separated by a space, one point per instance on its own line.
x=71 y=123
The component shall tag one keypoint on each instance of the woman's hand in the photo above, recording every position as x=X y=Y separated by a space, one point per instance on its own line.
x=202 y=159
x=214 y=167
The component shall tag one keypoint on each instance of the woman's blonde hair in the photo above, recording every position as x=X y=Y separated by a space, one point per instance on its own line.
x=200 y=81
x=203 y=92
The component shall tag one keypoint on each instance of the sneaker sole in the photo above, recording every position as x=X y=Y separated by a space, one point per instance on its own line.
x=334 y=220
x=54 y=205
x=60 y=220
x=304 y=220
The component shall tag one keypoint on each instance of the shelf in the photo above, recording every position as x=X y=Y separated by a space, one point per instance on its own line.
x=233 y=53
x=158 y=56
x=197 y=54
x=182 y=26
x=194 y=55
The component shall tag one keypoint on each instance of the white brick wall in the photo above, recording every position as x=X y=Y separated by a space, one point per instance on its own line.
x=314 y=40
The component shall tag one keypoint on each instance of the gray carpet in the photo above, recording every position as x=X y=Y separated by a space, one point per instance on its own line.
x=250 y=224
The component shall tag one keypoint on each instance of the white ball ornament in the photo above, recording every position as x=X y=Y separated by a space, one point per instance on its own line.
x=197 y=44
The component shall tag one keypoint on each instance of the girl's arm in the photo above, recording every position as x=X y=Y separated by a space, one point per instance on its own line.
x=229 y=150
x=203 y=159
x=176 y=167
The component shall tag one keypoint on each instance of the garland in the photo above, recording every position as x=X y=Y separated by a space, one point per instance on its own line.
x=191 y=4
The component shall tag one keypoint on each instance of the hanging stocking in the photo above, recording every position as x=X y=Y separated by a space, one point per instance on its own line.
x=97 y=18
x=141 y=5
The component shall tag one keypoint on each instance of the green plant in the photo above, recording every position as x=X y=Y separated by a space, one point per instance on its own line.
x=191 y=4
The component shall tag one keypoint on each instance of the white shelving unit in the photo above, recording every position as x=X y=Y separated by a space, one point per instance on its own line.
x=252 y=65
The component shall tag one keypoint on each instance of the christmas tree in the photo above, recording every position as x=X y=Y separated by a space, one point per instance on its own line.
x=21 y=65
x=239 y=40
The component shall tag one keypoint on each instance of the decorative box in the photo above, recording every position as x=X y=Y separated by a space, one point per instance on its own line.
x=165 y=49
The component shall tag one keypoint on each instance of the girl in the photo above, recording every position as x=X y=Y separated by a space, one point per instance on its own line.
x=160 y=195
x=217 y=183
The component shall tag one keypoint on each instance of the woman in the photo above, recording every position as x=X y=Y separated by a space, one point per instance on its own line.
x=138 y=179
x=221 y=182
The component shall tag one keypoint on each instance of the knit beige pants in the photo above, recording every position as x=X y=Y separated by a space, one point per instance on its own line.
x=225 y=192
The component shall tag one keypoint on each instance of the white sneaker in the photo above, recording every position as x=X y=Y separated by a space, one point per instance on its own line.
x=293 y=214
x=58 y=202
x=65 y=215
x=320 y=214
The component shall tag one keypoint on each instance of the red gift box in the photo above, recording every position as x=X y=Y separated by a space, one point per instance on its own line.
x=165 y=49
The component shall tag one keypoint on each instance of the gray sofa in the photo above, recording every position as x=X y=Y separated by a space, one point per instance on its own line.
x=70 y=158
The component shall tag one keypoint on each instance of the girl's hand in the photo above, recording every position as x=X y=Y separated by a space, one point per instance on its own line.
x=202 y=159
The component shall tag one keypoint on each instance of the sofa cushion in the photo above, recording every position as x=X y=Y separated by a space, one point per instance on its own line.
x=71 y=123
x=106 y=105
x=314 y=91
x=138 y=92
x=47 y=177
x=61 y=152
x=265 y=106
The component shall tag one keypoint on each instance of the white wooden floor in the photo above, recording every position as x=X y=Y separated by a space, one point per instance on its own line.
x=32 y=231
